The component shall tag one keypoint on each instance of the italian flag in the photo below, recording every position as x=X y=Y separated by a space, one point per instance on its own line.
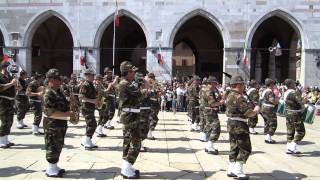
x=7 y=54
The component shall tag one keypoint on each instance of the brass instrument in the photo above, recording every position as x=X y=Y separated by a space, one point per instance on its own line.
x=75 y=114
x=101 y=96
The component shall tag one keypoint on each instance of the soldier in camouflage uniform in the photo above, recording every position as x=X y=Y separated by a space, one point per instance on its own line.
x=253 y=95
x=102 y=117
x=193 y=105
x=129 y=100
x=56 y=114
x=237 y=111
x=35 y=94
x=204 y=88
x=145 y=110
x=212 y=101
x=7 y=93
x=269 y=103
x=294 y=105
x=88 y=95
x=22 y=101
x=155 y=106
x=110 y=100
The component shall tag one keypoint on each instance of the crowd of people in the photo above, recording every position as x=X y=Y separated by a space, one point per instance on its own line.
x=139 y=98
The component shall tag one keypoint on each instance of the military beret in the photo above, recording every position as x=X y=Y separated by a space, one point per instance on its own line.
x=196 y=78
x=126 y=66
x=236 y=79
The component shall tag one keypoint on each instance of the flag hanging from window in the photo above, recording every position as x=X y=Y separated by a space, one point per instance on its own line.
x=83 y=59
x=159 y=56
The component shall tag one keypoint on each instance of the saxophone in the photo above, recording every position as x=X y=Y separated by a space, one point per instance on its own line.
x=75 y=114
x=100 y=96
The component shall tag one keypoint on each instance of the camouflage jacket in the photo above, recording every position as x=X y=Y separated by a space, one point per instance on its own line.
x=129 y=94
x=111 y=93
x=237 y=105
x=293 y=100
x=54 y=101
x=212 y=96
x=23 y=84
x=65 y=89
x=88 y=90
x=33 y=88
x=269 y=100
x=253 y=94
x=193 y=93
x=202 y=94
x=10 y=92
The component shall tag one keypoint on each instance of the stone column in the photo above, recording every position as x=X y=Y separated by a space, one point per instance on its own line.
x=257 y=69
x=310 y=73
x=162 y=71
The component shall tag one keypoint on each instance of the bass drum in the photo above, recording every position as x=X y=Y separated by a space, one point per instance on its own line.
x=309 y=113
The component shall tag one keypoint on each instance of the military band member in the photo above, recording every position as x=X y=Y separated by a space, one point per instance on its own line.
x=193 y=105
x=129 y=105
x=294 y=105
x=22 y=100
x=56 y=114
x=253 y=94
x=110 y=101
x=7 y=94
x=212 y=101
x=204 y=88
x=74 y=88
x=35 y=94
x=237 y=111
x=154 y=103
x=102 y=116
x=88 y=95
x=269 y=103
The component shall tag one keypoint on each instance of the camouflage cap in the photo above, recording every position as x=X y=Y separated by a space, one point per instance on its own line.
x=5 y=64
x=53 y=73
x=107 y=69
x=236 y=79
x=196 y=78
x=212 y=79
x=126 y=66
x=89 y=72
x=289 y=82
x=269 y=81
x=151 y=75
x=253 y=83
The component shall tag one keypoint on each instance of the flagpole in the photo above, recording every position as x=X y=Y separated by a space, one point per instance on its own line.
x=114 y=37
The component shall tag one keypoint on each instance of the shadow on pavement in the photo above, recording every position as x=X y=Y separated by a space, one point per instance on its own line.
x=277 y=175
x=13 y=171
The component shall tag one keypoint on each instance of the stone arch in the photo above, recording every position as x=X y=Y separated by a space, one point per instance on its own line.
x=284 y=15
x=200 y=12
x=106 y=22
x=4 y=34
x=32 y=28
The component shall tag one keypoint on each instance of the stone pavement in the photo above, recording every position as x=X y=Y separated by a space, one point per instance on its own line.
x=176 y=154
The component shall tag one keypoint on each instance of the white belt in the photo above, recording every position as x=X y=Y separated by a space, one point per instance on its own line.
x=111 y=95
x=291 y=110
x=154 y=99
x=196 y=106
x=76 y=94
x=237 y=119
x=144 y=108
x=87 y=101
x=131 y=110
x=210 y=108
x=33 y=100
x=268 y=105
x=8 y=98
x=57 y=117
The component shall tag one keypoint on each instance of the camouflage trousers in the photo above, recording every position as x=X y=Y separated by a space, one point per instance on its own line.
x=212 y=128
x=22 y=104
x=295 y=125
x=102 y=117
x=239 y=138
x=90 y=121
x=54 y=133
x=144 y=123
x=194 y=111
x=154 y=116
x=270 y=122
x=131 y=136
x=6 y=116
x=202 y=122
x=37 y=111
x=252 y=122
